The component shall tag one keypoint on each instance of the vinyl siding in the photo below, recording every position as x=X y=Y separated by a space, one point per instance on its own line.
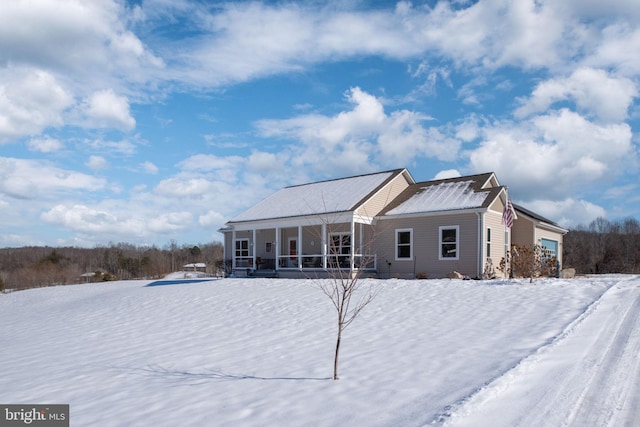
x=262 y=237
x=493 y=220
x=426 y=246
x=380 y=200
x=228 y=245
x=522 y=233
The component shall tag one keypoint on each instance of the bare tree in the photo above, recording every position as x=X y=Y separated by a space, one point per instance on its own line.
x=346 y=295
x=344 y=287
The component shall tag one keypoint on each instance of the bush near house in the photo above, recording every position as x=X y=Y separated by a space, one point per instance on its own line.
x=529 y=261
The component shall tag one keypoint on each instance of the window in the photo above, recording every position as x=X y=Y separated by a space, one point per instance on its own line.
x=242 y=252
x=488 y=254
x=551 y=246
x=341 y=243
x=449 y=242
x=242 y=248
x=340 y=248
x=269 y=247
x=404 y=244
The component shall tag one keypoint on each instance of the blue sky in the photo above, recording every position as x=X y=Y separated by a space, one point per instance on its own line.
x=151 y=121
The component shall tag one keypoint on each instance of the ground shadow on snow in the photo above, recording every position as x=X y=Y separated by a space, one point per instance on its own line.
x=175 y=375
x=180 y=281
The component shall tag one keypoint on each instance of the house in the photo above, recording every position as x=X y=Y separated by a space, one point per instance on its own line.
x=386 y=225
x=196 y=266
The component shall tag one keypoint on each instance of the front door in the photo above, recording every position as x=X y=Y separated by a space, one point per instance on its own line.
x=293 y=252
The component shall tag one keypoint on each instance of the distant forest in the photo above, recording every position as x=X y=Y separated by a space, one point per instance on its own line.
x=29 y=267
x=604 y=247
x=601 y=247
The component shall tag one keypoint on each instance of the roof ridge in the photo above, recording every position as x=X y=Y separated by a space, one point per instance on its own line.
x=392 y=171
x=533 y=214
x=454 y=179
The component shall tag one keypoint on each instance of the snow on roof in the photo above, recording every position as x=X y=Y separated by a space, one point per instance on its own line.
x=441 y=197
x=195 y=265
x=338 y=195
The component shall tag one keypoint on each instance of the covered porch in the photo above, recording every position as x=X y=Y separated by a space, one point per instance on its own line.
x=300 y=248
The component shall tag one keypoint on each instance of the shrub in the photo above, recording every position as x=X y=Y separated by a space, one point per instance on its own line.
x=529 y=261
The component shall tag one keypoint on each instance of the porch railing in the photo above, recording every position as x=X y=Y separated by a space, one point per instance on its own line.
x=244 y=262
x=316 y=261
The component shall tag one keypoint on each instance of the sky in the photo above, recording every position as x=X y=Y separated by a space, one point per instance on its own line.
x=157 y=121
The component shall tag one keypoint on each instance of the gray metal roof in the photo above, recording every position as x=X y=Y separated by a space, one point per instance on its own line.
x=332 y=196
x=459 y=193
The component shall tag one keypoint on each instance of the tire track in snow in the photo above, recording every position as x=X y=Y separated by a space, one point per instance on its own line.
x=612 y=395
x=586 y=376
x=498 y=382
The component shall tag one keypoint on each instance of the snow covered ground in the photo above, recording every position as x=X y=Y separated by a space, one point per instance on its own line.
x=258 y=352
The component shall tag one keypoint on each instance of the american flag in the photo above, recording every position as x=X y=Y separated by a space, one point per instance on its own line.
x=508 y=214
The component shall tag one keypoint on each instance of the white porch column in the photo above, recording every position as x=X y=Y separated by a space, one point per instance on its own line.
x=353 y=244
x=224 y=250
x=253 y=249
x=277 y=247
x=233 y=250
x=299 y=258
x=324 y=245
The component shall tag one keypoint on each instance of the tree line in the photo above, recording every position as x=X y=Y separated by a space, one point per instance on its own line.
x=28 y=267
x=601 y=247
x=604 y=247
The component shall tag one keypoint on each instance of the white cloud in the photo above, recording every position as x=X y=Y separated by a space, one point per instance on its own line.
x=431 y=75
x=109 y=222
x=30 y=101
x=168 y=222
x=449 y=173
x=123 y=147
x=568 y=212
x=249 y=40
x=263 y=163
x=45 y=145
x=354 y=139
x=105 y=109
x=593 y=91
x=179 y=187
x=210 y=162
x=86 y=40
x=54 y=53
x=560 y=154
x=83 y=218
x=242 y=41
x=614 y=47
x=405 y=139
x=597 y=9
x=97 y=162
x=30 y=179
x=149 y=167
x=212 y=219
